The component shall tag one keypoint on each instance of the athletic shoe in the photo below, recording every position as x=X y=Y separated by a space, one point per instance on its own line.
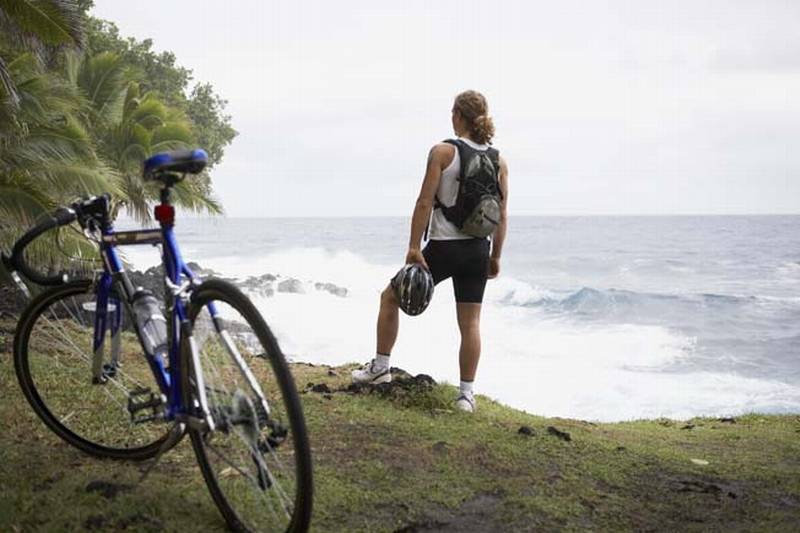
x=466 y=403
x=371 y=374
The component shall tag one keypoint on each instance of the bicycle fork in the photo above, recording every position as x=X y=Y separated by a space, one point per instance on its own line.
x=233 y=351
x=200 y=384
x=235 y=355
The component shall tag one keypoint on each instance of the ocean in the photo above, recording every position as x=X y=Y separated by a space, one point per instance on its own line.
x=597 y=318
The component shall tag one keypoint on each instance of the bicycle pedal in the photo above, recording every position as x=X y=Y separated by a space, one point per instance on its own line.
x=110 y=370
x=141 y=399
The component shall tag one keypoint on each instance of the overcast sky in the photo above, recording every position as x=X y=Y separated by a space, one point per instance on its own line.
x=616 y=107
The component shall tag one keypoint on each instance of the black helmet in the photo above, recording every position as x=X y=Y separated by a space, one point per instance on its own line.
x=413 y=287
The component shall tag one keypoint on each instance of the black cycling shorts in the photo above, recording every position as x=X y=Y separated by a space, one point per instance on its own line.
x=465 y=260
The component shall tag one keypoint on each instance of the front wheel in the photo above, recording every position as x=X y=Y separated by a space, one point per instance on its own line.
x=80 y=392
x=256 y=460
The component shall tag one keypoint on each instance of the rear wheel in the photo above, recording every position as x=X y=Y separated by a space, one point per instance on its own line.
x=56 y=368
x=256 y=461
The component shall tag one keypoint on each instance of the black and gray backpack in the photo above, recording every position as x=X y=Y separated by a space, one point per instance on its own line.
x=477 y=208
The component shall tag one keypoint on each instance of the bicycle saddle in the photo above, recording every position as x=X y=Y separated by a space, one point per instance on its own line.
x=177 y=161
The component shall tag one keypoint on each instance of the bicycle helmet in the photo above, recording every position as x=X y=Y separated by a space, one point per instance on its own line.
x=413 y=287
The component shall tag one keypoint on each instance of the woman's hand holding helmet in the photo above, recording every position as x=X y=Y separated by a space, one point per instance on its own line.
x=414 y=256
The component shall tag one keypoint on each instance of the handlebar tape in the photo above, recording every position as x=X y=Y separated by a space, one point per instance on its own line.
x=62 y=217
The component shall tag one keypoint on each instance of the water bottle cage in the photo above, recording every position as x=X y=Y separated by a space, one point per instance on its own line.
x=179 y=291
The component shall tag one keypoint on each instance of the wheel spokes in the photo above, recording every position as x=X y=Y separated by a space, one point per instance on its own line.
x=248 y=421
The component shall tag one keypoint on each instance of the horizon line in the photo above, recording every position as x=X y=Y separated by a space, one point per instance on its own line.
x=525 y=215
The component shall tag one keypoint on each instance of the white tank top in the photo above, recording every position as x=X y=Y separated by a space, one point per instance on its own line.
x=442 y=229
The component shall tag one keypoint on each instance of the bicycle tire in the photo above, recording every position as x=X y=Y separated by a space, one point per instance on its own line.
x=220 y=291
x=22 y=364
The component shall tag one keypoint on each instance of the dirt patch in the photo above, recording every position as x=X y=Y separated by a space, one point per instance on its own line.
x=705 y=487
x=48 y=483
x=692 y=498
x=440 y=447
x=349 y=441
x=95 y=522
x=477 y=514
x=139 y=521
x=107 y=489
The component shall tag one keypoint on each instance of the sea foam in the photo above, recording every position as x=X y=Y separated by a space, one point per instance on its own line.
x=539 y=353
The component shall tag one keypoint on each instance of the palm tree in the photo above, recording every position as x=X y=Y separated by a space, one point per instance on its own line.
x=72 y=126
x=47 y=158
x=130 y=126
x=33 y=25
x=45 y=154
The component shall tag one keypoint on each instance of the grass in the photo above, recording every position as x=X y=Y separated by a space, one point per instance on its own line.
x=399 y=458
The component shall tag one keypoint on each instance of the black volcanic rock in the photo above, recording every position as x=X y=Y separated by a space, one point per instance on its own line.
x=261 y=285
x=331 y=288
x=291 y=285
x=151 y=279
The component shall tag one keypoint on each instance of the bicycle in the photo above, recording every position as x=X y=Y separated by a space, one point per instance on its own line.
x=211 y=366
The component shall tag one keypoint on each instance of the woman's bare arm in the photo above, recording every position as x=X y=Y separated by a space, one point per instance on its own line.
x=439 y=157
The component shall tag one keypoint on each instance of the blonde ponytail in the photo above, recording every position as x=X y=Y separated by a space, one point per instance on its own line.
x=483 y=129
x=473 y=108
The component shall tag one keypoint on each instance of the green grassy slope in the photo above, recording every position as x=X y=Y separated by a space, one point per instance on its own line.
x=399 y=458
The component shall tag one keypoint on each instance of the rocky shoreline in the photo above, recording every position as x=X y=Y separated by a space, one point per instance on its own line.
x=12 y=301
x=265 y=285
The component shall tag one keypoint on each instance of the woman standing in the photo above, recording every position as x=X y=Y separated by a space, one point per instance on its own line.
x=452 y=251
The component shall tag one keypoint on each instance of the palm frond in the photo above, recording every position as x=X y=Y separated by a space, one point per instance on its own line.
x=54 y=22
x=192 y=194
x=102 y=79
x=70 y=180
x=7 y=84
x=150 y=113
x=170 y=137
x=21 y=203
x=134 y=196
x=67 y=141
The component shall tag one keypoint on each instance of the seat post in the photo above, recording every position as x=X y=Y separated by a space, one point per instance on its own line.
x=166 y=195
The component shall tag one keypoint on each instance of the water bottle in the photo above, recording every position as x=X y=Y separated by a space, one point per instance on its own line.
x=151 y=322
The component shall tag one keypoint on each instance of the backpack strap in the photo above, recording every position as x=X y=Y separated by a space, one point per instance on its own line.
x=437 y=204
x=461 y=147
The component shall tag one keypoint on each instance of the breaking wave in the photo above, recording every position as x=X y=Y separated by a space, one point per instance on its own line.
x=591 y=353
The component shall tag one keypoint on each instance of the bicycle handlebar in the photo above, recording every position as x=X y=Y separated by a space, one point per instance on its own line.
x=16 y=262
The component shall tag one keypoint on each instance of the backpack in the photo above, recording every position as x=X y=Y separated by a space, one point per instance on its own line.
x=476 y=211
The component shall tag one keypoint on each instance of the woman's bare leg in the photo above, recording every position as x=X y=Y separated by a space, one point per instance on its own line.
x=469 y=322
x=388 y=322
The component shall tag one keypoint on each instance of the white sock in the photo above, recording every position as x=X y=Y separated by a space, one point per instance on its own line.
x=466 y=388
x=381 y=361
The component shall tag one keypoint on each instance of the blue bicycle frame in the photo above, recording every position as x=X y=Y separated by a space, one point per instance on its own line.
x=177 y=273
